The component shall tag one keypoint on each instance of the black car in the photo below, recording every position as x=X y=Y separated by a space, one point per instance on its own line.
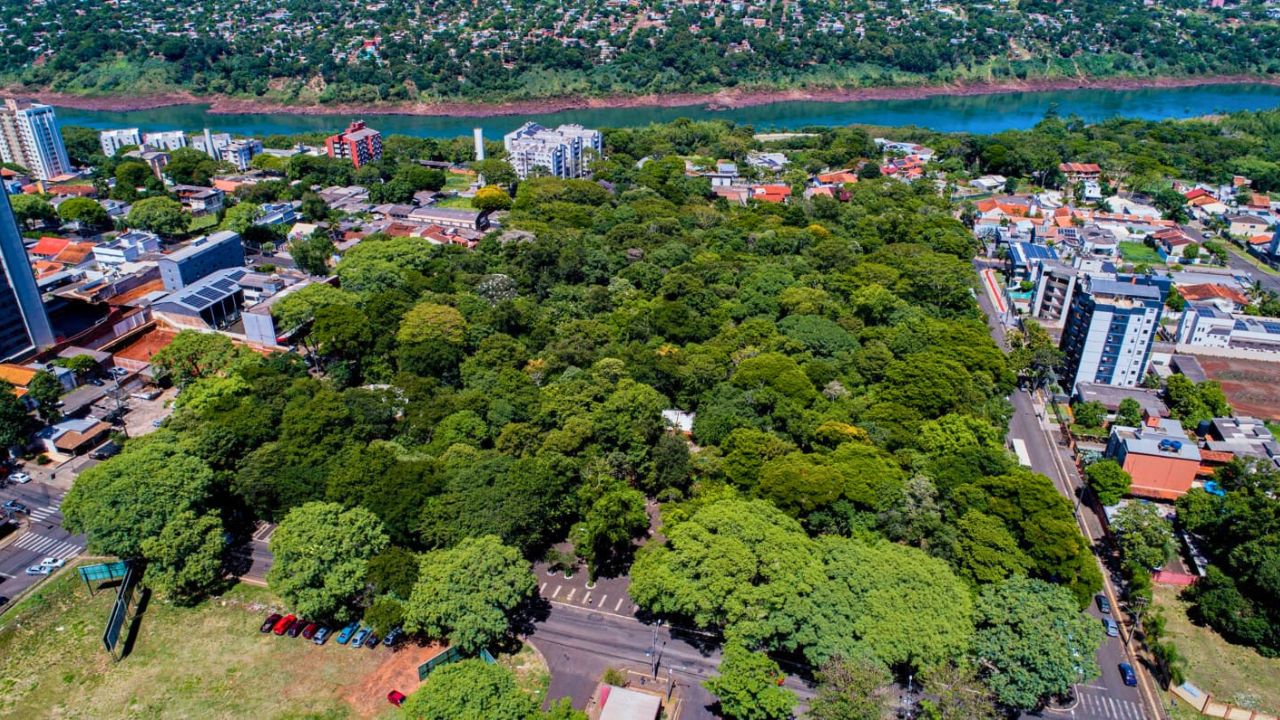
x=1104 y=605
x=372 y=640
x=3 y=601
x=393 y=637
x=15 y=506
x=296 y=628
x=270 y=622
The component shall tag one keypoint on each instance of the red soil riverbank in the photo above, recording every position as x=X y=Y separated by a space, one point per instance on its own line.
x=723 y=100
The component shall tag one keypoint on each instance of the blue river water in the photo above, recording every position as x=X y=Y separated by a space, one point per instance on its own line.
x=951 y=113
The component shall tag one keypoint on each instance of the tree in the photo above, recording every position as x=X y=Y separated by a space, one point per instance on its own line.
x=134 y=496
x=240 y=217
x=188 y=166
x=747 y=686
x=1145 y=536
x=1033 y=641
x=312 y=253
x=469 y=593
x=613 y=521
x=393 y=572
x=32 y=209
x=985 y=552
x=1129 y=414
x=86 y=211
x=313 y=208
x=1089 y=414
x=193 y=355
x=45 y=390
x=185 y=560
x=1172 y=205
x=432 y=338
x=957 y=694
x=160 y=215
x=82 y=365
x=384 y=614
x=491 y=197
x=1108 y=481
x=857 y=689
x=132 y=174
x=495 y=171
x=321 y=553
x=470 y=690
x=15 y=422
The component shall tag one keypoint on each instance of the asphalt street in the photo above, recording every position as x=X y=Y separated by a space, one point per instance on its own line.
x=1107 y=697
x=1240 y=265
x=40 y=536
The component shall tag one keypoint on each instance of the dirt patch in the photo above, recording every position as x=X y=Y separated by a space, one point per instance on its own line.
x=399 y=671
x=1251 y=386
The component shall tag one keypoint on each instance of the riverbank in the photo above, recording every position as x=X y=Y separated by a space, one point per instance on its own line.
x=724 y=100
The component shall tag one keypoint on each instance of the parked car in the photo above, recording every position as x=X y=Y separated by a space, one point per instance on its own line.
x=360 y=637
x=347 y=632
x=106 y=450
x=1104 y=605
x=118 y=372
x=1127 y=675
x=270 y=622
x=20 y=477
x=395 y=697
x=96 y=382
x=321 y=636
x=157 y=423
x=310 y=630
x=284 y=624
x=296 y=628
x=3 y=601
x=372 y=641
x=1113 y=630
x=15 y=506
x=39 y=570
x=393 y=637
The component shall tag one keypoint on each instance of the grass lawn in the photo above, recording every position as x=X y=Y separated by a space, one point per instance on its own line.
x=454 y=202
x=1232 y=673
x=204 y=222
x=208 y=662
x=455 y=181
x=1136 y=252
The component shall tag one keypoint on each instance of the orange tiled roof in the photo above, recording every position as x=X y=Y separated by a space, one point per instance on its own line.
x=1221 y=456
x=1079 y=167
x=45 y=268
x=839 y=177
x=77 y=190
x=1197 y=193
x=49 y=246
x=75 y=253
x=16 y=375
x=1210 y=291
x=1260 y=240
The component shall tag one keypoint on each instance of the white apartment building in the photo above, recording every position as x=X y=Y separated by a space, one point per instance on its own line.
x=1204 y=325
x=113 y=140
x=29 y=137
x=170 y=140
x=560 y=152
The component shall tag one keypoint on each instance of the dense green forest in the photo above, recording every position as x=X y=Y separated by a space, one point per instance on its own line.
x=304 y=52
x=846 y=501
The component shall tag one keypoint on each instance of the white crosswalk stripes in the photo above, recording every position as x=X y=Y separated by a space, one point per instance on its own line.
x=39 y=514
x=1103 y=707
x=51 y=547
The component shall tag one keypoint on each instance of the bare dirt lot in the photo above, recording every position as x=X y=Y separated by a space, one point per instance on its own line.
x=1251 y=386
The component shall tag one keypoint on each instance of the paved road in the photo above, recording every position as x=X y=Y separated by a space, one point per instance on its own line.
x=40 y=536
x=1106 y=698
x=1240 y=265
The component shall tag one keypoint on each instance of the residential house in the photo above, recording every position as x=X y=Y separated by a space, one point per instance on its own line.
x=1080 y=172
x=772 y=162
x=1158 y=455
x=126 y=247
x=199 y=200
x=776 y=194
x=1247 y=225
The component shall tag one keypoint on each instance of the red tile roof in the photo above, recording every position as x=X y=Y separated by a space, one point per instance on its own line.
x=1211 y=291
x=49 y=246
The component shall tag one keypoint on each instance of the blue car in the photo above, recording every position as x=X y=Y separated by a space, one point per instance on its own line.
x=346 y=633
x=1126 y=673
x=358 y=640
x=321 y=636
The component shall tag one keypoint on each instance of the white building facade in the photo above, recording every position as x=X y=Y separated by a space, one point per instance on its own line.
x=113 y=140
x=29 y=137
x=560 y=152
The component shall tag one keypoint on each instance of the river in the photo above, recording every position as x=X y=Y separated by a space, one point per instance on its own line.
x=948 y=113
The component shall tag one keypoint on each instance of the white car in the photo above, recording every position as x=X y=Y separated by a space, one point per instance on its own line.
x=20 y=477
x=52 y=563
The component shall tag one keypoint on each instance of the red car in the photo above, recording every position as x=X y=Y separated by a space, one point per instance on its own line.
x=395 y=697
x=284 y=623
x=270 y=622
x=310 y=630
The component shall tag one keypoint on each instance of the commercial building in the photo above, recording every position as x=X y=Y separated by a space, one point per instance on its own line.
x=113 y=140
x=1109 y=330
x=559 y=152
x=24 y=326
x=201 y=257
x=212 y=303
x=29 y=137
x=1205 y=325
x=359 y=144
x=451 y=217
x=169 y=140
x=1159 y=457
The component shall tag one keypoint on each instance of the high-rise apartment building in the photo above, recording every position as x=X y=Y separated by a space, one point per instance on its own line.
x=168 y=140
x=560 y=152
x=359 y=144
x=1109 y=330
x=113 y=140
x=29 y=137
x=24 y=326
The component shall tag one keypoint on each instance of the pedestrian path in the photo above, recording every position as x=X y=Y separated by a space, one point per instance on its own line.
x=41 y=513
x=576 y=593
x=49 y=547
x=1103 y=707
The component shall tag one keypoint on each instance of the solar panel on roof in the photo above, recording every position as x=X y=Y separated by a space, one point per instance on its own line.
x=210 y=294
x=192 y=301
x=1273 y=328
